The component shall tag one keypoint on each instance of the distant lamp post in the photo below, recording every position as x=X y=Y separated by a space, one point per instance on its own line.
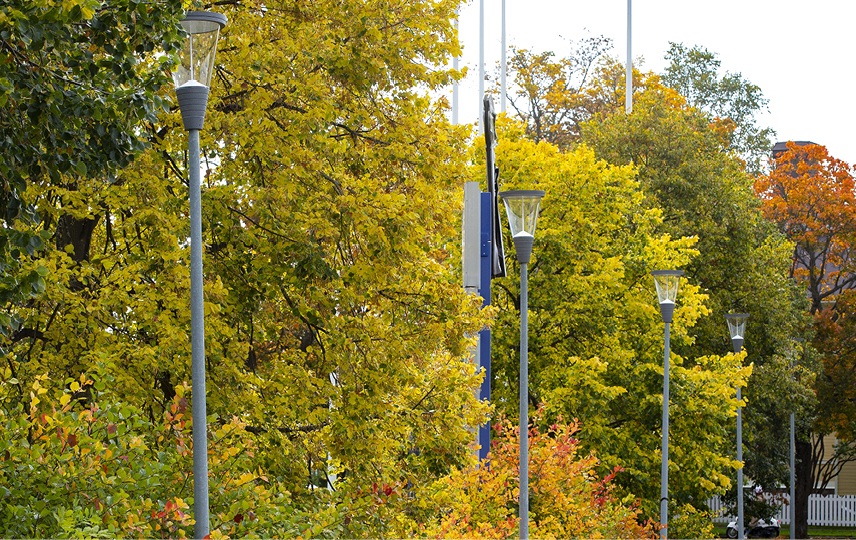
x=522 y=210
x=737 y=329
x=192 y=78
x=667 y=282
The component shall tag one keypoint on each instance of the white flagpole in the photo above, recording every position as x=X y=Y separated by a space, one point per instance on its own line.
x=455 y=64
x=481 y=63
x=503 y=62
x=628 y=98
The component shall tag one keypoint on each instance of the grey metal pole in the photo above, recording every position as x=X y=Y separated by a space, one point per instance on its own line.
x=455 y=64
x=664 y=468
x=481 y=62
x=524 y=402
x=740 y=470
x=628 y=90
x=197 y=340
x=792 y=508
x=503 y=61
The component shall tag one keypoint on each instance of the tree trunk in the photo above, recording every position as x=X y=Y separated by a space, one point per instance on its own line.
x=804 y=487
x=78 y=233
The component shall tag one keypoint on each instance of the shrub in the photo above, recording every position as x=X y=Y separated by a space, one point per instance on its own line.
x=76 y=464
x=567 y=497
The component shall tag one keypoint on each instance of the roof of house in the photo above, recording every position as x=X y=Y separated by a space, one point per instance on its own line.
x=781 y=147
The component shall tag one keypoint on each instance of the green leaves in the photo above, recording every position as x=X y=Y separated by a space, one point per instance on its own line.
x=730 y=100
x=596 y=335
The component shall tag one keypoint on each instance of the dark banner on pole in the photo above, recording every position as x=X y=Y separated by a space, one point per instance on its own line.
x=490 y=140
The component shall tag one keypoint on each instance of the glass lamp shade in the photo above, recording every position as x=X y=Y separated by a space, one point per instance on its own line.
x=737 y=329
x=197 y=54
x=522 y=209
x=667 y=282
x=736 y=324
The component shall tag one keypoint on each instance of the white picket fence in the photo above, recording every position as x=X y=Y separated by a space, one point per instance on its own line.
x=831 y=510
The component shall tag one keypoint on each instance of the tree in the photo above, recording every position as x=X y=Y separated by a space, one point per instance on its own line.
x=596 y=336
x=809 y=196
x=78 y=87
x=547 y=93
x=686 y=143
x=730 y=100
x=687 y=170
x=336 y=328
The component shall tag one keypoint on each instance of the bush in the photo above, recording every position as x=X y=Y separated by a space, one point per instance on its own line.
x=76 y=464
x=687 y=521
x=567 y=498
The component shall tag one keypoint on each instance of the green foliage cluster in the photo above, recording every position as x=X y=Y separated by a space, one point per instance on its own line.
x=595 y=350
x=79 y=81
x=78 y=462
x=730 y=100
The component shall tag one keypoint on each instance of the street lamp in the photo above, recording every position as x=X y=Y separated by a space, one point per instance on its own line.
x=737 y=329
x=521 y=207
x=192 y=78
x=667 y=282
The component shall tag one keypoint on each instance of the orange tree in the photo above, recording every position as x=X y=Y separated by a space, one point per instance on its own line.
x=809 y=196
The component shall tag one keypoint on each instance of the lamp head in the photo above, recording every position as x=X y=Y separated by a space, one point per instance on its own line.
x=193 y=74
x=521 y=207
x=737 y=329
x=667 y=282
x=200 y=46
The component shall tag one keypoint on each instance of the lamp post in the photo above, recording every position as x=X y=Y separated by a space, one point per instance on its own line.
x=792 y=503
x=521 y=207
x=737 y=329
x=667 y=282
x=192 y=79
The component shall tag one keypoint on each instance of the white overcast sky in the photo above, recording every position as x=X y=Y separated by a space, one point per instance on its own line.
x=801 y=53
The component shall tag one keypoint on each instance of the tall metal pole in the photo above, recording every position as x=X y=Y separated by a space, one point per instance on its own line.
x=455 y=65
x=522 y=209
x=192 y=97
x=740 y=470
x=503 y=62
x=481 y=61
x=197 y=341
x=628 y=90
x=793 y=451
x=524 y=402
x=664 y=467
x=792 y=508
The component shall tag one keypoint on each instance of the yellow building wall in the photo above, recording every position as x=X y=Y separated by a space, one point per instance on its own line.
x=845 y=482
